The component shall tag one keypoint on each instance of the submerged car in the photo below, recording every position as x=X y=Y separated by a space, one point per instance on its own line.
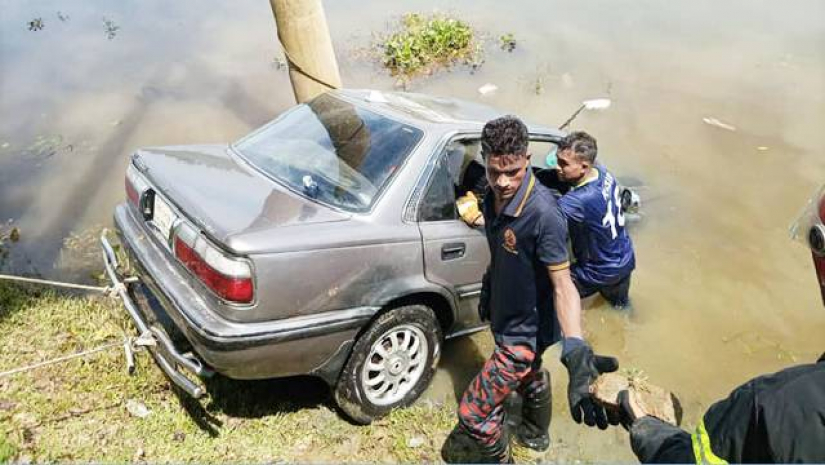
x=325 y=243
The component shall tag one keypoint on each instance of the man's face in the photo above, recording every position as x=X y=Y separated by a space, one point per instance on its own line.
x=570 y=167
x=505 y=174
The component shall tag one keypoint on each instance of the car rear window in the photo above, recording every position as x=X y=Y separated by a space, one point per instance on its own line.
x=332 y=151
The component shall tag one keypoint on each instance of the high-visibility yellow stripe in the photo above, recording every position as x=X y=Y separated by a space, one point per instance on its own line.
x=526 y=194
x=560 y=266
x=701 y=447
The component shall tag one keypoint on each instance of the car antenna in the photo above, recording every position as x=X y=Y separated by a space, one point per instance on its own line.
x=594 y=104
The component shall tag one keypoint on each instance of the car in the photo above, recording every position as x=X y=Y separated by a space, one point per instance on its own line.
x=325 y=243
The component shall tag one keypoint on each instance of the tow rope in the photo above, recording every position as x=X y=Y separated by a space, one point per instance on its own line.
x=129 y=344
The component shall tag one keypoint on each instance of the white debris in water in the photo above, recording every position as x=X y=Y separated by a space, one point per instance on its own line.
x=762 y=148
x=487 y=89
x=417 y=441
x=597 y=104
x=719 y=124
x=137 y=408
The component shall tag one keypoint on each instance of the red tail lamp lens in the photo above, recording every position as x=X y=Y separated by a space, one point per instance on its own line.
x=229 y=288
x=132 y=193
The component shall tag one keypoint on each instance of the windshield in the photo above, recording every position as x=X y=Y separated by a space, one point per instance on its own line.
x=332 y=151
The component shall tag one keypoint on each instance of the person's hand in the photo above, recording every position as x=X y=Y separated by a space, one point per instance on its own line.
x=630 y=408
x=468 y=210
x=483 y=310
x=584 y=368
x=484 y=298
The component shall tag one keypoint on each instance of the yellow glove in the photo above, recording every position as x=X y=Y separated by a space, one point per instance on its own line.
x=468 y=209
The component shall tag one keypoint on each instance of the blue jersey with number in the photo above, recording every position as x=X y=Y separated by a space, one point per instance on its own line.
x=601 y=245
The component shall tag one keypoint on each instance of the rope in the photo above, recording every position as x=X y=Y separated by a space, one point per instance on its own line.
x=59 y=359
x=299 y=69
x=55 y=283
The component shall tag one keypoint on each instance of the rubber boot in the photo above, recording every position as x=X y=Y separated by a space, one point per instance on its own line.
x=536 y=411
x=459 y=447
x=497 y=452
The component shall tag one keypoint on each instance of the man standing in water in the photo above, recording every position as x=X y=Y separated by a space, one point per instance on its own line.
x=601 y=245
x=530 y=301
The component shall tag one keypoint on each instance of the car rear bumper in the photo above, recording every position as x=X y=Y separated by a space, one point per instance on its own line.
x=313 y=344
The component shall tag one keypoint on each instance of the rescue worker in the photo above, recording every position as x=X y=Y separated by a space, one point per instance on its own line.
x=602 y=248
x=772 y=418
x=530 y=300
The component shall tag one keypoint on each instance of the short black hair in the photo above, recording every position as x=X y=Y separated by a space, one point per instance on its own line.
x=583 y=145
x=504 y=136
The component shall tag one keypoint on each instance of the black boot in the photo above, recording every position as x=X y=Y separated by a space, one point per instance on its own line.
x=536 y=411
x=498 y=452
x=461 y=448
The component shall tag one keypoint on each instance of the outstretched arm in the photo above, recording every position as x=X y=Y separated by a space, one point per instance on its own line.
x=567 y=301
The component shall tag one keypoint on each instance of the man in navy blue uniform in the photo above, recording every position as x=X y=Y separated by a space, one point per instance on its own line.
x=601 y=246
x=530 y=300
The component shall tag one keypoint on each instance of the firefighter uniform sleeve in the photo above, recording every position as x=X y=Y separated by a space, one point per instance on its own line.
x=769 y=419
x=656 y=441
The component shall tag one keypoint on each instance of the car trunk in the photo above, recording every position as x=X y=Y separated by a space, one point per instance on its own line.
x=222 y=195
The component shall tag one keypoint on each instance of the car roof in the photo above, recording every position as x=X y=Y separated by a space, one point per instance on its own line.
x=446 y=113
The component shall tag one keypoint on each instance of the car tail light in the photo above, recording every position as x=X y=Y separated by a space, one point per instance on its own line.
x=228 y=277
x=135 y=185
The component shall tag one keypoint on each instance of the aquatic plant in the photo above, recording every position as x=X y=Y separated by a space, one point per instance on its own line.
x=507 y=42
x=423 y=43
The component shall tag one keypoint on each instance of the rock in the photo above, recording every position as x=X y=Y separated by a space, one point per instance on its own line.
x=7 y=405
x=137 y=408
x=417 y=441
x=658 y=402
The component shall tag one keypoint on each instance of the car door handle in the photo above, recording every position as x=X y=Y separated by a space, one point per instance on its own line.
x=453 y=250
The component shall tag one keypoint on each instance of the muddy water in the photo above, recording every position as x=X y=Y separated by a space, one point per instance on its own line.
x=720 y=293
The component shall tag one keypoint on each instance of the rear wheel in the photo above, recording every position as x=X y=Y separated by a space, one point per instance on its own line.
x=391 y=364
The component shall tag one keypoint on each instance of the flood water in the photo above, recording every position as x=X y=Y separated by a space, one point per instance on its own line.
x=720 y=293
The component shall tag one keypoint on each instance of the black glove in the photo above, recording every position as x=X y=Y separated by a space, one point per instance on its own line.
x=584 y=367
x=483 y=312
x=626 y=415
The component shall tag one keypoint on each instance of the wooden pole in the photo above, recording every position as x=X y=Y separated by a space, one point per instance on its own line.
x=304 y=36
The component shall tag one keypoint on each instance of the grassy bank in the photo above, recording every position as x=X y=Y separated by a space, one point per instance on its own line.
x=80 y=409
x=90 y=409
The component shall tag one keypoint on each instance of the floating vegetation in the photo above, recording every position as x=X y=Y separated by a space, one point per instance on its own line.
x=8 y=235
x=279 y=63
x=424 y=43
x=46 y=146
x=507 y=42
x=110 y=28
x=36 y=24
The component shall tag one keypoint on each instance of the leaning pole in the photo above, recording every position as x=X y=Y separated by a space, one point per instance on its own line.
x=304 y=36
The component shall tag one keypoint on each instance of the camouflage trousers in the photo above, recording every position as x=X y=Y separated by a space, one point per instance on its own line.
x=509 y=369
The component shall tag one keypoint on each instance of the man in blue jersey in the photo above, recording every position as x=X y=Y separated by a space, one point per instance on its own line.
x=601 y=246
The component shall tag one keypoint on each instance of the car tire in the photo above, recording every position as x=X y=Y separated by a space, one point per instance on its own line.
x=391 y=363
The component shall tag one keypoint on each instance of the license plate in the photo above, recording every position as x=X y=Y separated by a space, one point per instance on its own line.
x=162 y=217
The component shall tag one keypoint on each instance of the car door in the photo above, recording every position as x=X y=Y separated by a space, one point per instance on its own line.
x=455 y=254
